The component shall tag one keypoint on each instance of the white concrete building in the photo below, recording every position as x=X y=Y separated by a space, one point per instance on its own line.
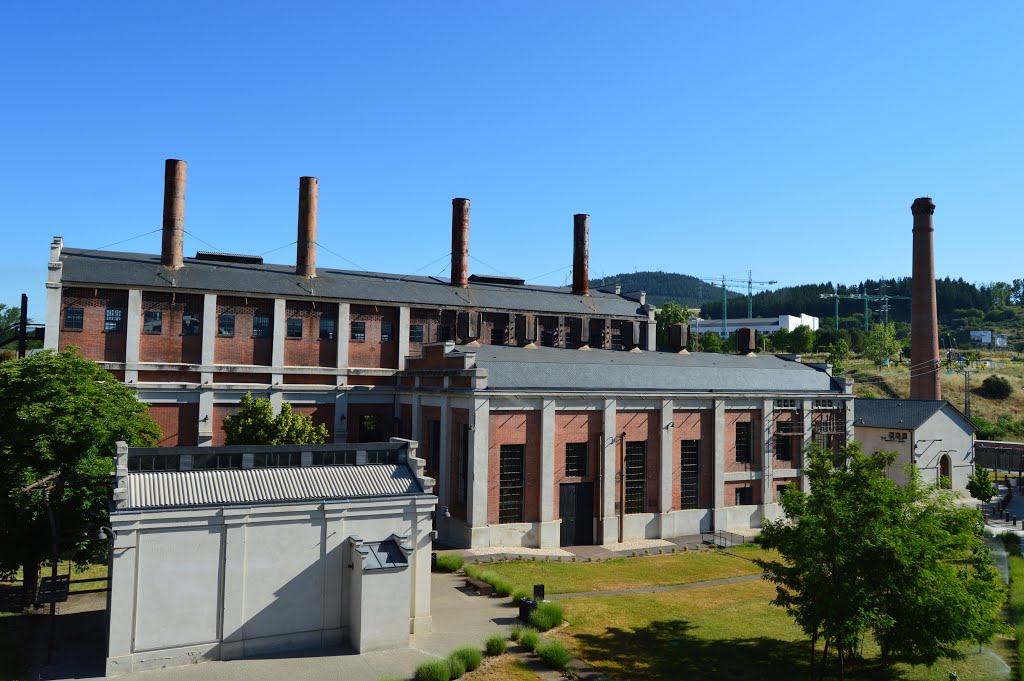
x=767 y=325
x=930 y=434
x=225 y=552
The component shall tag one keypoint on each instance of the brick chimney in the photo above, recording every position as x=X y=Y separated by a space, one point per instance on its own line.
x=173 y=241
x=580 y=254
x=924 y=331
x=460 y=242
x=305 y=255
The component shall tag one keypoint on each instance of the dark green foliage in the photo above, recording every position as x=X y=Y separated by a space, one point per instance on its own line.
x=529 y=639
x=1006 y=427
x=662 y=287
x=456 y=667
x=710 y=342
x=996 y=387
x=979 y=484
x=554 y=655
x=449 y=562
x=671 y=313
x=469 y=655
x=519 y=594
x=255 y=424
x=863 y=555
x=60 y=413
x=548 y=615
x=801 y=340
x=495 y=645
x=434 y=670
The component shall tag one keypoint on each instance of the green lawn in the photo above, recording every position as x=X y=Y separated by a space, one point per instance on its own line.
x=630 y=573
x=716 y=632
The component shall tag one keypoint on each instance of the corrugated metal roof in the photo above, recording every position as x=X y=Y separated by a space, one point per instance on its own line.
x=139 y=270
x=896 y=413
x=175 y=489
x=553 y=369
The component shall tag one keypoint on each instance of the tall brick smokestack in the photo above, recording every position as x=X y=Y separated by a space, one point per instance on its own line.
x=305 y=254
x=460 y=242
x=580 y=254
x=173 y=242
x=924 y=330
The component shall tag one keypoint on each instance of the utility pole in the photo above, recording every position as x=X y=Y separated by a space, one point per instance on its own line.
x=861 y=296
x=967 y=391
x=23 y=327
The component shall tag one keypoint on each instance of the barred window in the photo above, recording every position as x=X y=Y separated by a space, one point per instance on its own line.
x=294 y=328
x=260 y=326
x=153 y=321
x=744 y=496
x=784 y=447
x=327 y=327
x=153 y=462
x=190 y=324
x=226 y=325
x=415 y=333
x=385 y=332
x=216 y=461
x=74 y=318
x=636 y=476
x=576 y=454
x=744 y=442
x=347 y=458
x=359 y=331
x=510 y=484
x=113 y=320
x=689 y=480
x=276 y=459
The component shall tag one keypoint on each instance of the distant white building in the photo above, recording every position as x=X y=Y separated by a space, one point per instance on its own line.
x=227 y=552
x=768 y=325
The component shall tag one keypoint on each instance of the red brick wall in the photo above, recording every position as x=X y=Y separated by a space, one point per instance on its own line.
x=321 y=414
x=730 y=491
x=405 y=427
x=370 y=380
x=782 y=419
x=460 y=419
x=640 y=425
x=220 y=412
x=372 y=352
x=492 y=321
x=694 y=425
x=310 y=350
x=515 y=428
x=309 y=379
x=243 y=348
x=170 y=345
x=577 y=426
x=384 y=414
x=784 y=481
x=179 y=423
x=95 y=344
x=429 y=320
x=549 y=324
x=731 y=419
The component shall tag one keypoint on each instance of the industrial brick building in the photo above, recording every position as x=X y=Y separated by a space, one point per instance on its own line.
x=519 y=395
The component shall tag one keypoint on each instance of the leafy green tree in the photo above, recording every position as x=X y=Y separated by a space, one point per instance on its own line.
x=780 y=340
x=997 y=387
x=801 y=340
x=255 y=424
x=881 y=344
x=838 y=353
x=710 y=341
x=863 y=555
x=979 y=484
x=671 y=313
x=59 y=414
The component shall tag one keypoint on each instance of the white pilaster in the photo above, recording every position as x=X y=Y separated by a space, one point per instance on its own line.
x=54 y=273
x=133 y=336
x=476 y=504
x=344 y=333
x=444 y=466
x=233 y=584
x=767 y=452
x=718 y=468
x=403 y=335
x=277 y=353
x=808 y=412
x=209 y=330
x=341 y=416
x=122 y=598
x=667 y=430
x=550 y=528
x=609 y=519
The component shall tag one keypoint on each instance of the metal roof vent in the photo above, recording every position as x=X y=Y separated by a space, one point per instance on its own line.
x=229 y=257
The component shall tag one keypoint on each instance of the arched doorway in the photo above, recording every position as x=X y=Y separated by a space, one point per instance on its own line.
x=945 y=472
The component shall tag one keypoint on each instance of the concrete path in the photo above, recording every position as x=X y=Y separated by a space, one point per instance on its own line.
x=656 y=589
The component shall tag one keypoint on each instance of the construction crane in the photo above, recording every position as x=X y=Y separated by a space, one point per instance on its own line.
x=749 y=281
x=866 y=297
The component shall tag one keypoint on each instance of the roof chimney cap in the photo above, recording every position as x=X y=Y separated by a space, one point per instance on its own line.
x=923 y=205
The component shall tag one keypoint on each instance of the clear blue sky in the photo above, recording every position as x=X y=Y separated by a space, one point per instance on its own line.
x=704 y=138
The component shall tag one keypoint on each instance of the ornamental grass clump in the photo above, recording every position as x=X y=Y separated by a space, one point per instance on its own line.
x=548 y=615
x=449 y=562
x=495 y=645
x=529 y=639
x=434 y=670
x=516 y=632
x=554 y=655
x=456 y=667
x=469 y=655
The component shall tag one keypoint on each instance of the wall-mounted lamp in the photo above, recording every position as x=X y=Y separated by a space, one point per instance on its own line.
x=105 y=533
x=445 y=513
x=204 y=419
x=672 y=424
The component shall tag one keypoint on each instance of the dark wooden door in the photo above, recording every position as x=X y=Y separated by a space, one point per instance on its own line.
x=576 y=509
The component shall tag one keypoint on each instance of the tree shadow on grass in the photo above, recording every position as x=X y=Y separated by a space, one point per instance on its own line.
x=670 y=650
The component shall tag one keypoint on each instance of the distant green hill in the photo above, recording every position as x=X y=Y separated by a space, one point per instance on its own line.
x=662 y=287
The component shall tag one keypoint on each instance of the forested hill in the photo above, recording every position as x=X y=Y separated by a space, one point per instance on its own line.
x=662 y=287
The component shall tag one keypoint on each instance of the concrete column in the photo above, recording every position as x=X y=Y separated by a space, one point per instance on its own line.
x=53 y=295
x=479 y=475
x=206 y=424
x=667 y=468
x=652 y=332
x=609 y=518
x=718 y=485
x=421 y=620
x=335 y=538
x=209 y=330
x=341 y=417
x=133 y=336
x=767 y=452
x=416 y=432
x=233 y=584
x=808 y=412
x=344 y=333
x=550 y=527
x=122 y=597
x=277 y=353
x=445 y=464
x=849 y=422
x=403 y=335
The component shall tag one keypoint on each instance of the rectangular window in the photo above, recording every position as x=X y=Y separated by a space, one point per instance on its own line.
x=548 y=337
x=744 y=496
x=510 y=484
x=153 y=462
x=744 y=442
x=153 y=321
x=190 y=324
x=783 y=447
x=216 y=461
x=327 y=327
x=497 y=335
x=294 y=329
x=74 y=318
x=260 y=326
x=636 y=476
x=113 y=320
x=689 y=458
x=779 y=489
x=576 y=459
x=334 y=458
x=359 y=332
x=444 y=333
x=616 y=338
x=463 y=462
x=277 y=460
x=226 y=325
x=385 y=332
x=415 y=333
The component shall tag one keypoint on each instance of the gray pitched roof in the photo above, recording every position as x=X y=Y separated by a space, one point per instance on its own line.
x=138 y=270
x=552 y=369
x=896 y=413
x=176 y=489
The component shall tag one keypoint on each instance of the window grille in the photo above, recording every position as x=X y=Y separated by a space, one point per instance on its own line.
x=576 y=454
x=260 y=326
x=216 y=461
x=415 y=333
x=294 y=328
x=190 y=324
x=385 y=332
x=334 y=458
x=113 y=320
x=359 y=331
x=153 y=462
x=510 y=484
x=744 y=496
x=152 y=321
x=636 y=476
x=689 y=457
x=226 y=325
x=74 y=318
x=277 y=459
x=327 y=329
x=744 y=442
